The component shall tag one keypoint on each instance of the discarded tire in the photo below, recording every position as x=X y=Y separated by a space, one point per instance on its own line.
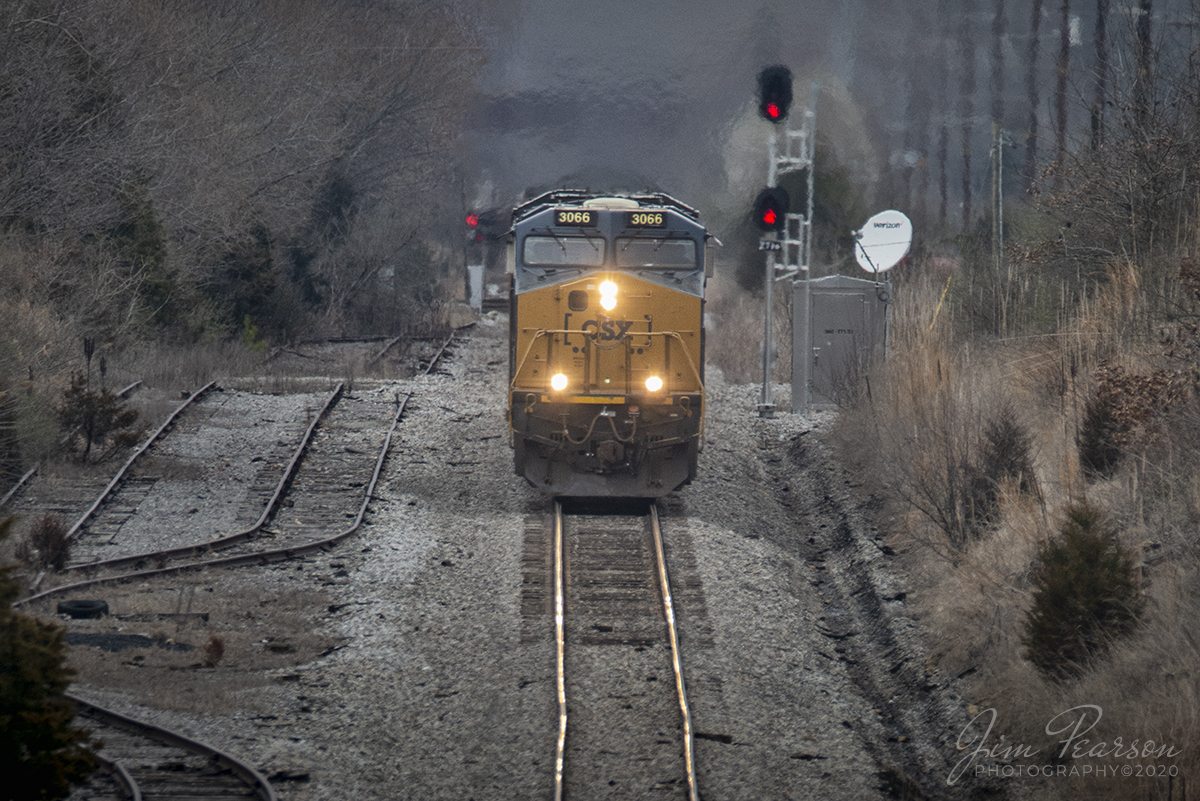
x=78 y=609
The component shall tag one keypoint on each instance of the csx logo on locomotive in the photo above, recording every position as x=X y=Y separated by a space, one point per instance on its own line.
x=607 y=330
x=604 y=330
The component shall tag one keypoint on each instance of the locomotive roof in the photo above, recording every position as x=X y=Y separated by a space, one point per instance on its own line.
x=574 y=197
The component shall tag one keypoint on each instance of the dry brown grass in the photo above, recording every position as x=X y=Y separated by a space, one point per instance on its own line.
x=972 y=588
x=735 y=331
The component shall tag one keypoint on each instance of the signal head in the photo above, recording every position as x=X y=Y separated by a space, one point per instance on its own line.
x=771 y=209
x=775 y=93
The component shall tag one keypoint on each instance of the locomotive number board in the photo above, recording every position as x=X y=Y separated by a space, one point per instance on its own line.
x=579 y=217
x=647 y=219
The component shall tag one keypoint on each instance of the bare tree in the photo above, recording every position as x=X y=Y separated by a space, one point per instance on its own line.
x=1062 y=75
x=1099 y=97
x=1143 y=50
x=999 y=33
x=1032 y=93
x=943 y=146
x=966 y=47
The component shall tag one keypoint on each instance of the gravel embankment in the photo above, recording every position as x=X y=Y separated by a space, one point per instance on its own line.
x=406 y=674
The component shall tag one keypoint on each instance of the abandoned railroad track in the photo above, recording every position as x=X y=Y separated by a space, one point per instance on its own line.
x=146 y=762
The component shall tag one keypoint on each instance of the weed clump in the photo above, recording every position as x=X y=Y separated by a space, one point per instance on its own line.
x=1099 y=452
x=1086 y=596
x=48 y=543
x=1124 y=413
x=213 y=651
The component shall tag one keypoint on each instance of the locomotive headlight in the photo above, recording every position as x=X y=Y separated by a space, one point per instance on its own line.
x=558 y=382
x=654 y=383
x=608 y=295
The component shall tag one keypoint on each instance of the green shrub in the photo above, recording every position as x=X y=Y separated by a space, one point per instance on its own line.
x=41 y=756
x=1099 y=451
x=96 y=418
x=1087 y=595
x=1005 y=455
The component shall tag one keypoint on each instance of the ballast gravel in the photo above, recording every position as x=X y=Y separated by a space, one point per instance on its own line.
x=425 y=683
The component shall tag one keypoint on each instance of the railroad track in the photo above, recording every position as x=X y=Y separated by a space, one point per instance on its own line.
x=620 y=677
x=334 y=488
x=326 y=499
x=142 y=761
x=335 y=485
x=115 y=533
x=78 y=497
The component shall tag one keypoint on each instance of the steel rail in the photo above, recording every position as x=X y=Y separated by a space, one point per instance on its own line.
x=258 y=557
x=123 y=776
x=8 y=496
x=437 y=356
x=123 y=392
x=669 y=610
x=560 y=641
x=261 y=787
x=385 y=349
x=672 y=633
x=120 y=476
x=272 y=505
x=145 y=446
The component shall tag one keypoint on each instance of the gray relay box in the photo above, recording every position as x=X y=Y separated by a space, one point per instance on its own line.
x=846 y=321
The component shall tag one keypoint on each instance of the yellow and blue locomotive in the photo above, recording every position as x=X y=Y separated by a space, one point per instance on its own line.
x=606 y=347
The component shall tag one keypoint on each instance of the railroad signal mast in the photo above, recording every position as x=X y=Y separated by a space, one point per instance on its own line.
x=789 y=250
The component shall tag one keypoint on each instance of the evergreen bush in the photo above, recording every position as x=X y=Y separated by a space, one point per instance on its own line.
x=96 y=417
x=1006 y=455
x=41 y=755
x=1087 y=595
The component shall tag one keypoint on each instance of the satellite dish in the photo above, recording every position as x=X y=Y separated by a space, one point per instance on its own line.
x=883 y=241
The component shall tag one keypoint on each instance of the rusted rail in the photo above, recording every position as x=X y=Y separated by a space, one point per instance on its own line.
x=203 y=782
x=266 y=556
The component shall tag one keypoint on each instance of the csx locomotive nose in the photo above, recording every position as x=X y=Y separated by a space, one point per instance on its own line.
x=606 y=343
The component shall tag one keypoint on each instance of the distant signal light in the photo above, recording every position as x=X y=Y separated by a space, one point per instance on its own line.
x=472 y=219
x=775 y=92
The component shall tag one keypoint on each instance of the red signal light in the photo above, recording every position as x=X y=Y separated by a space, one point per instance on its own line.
x=472 y=220
x=771 y=208
x=774 y=93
